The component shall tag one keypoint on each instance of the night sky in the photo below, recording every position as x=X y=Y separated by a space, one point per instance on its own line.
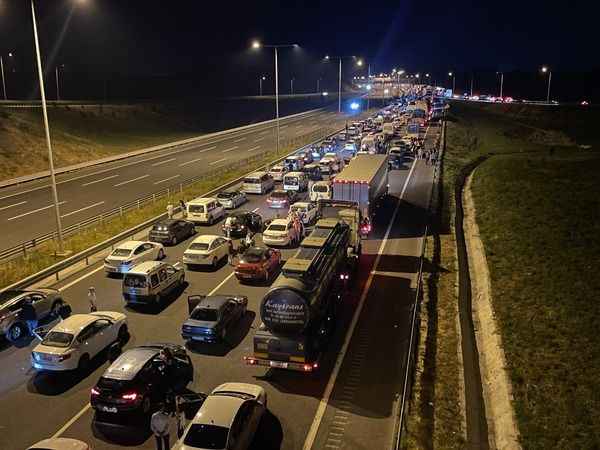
x=117 y=38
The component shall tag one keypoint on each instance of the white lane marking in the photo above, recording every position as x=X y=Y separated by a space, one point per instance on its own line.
x=255 y=209
x=282 y=126
x=83 y=277
x=34 y=211
x=254 y=148
x=312 y=432
x=10 y=206
x=221 y=284
x=240 y=139
x=190 y=162
x=131 y=181
x=100 y=180
x=167 y=179
x=72 y=421
x=259 y=139
x=207 y=149
x=217 y=161
x=83 y=209
x=229 y=149
x=163 y=162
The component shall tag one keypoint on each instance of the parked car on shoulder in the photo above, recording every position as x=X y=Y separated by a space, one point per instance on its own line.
x=152 y=281
x=228 y=418
x=258 y=263
x=171 y=231
x=75 y=341
x=239 y=223
x=131 y=253
x=139 y=380
x=231 y=199
x=206 y=250
x=211 y=316
x=46 y=301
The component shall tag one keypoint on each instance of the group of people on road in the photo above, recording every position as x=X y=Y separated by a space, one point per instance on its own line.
x=245 y=243
x=430 y=156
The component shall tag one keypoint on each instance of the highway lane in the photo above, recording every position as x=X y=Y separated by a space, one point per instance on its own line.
x=26 y=211
x=49 y=403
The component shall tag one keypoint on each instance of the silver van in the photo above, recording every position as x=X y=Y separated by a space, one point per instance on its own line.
x=151 y=281
x=258 y=183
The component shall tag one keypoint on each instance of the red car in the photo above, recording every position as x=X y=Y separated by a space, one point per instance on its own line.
x=258 y=263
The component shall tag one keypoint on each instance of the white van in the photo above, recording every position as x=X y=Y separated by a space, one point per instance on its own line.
x=295 y=181
x=320 y=190
x=296 y=161
x=204 y=210
x=326 y=165
x=152 y=281
x=258 y=183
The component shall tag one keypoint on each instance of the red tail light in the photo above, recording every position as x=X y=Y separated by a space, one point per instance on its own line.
x=132 y=396
x=95 y=392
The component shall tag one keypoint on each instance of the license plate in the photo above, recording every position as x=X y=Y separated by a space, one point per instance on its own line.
x=278 y=364
x=199 y=338
x=109 y=409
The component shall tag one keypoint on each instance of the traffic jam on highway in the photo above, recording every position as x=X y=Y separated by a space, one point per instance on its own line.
x=252 y=281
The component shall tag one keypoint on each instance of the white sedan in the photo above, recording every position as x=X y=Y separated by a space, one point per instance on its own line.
x=131 y=253
x=231 y=199
x=60 y=443
x=73 y=342
x=206 y=250
x=228 y=418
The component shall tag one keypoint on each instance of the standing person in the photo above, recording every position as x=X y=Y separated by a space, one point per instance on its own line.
x=160 y=427
x=230 y=252
x=92 y=299
x=28 y=315
x=179 y=415
x=170 y=210
x=182 y=205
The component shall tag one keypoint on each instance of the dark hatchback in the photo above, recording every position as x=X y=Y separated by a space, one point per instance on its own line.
x=238 y=224
x=212 y=316
x=138 y=381
x=171 y=231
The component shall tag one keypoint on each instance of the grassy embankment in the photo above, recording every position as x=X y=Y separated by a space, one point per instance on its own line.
x=523 y=224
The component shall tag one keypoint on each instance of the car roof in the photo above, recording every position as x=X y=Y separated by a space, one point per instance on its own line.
x=214 y=301
x=167 y=222
x=202 y=200
x=294 y=174
x=219 y=410
x=130 y=245
x=144 y=267
x=205 y=239
x=279 y=222
x=75 y=323
x=130 y=363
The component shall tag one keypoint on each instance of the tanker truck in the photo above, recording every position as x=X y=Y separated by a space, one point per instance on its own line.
x=298 y=313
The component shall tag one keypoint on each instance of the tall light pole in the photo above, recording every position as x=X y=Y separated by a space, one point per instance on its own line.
x=472 y=76
x=3 y=80
x=56 y=73
x=339 y=58
x=61 y=247
x=318 y=83
x=501 y=83
x=544 y=70
x=292 y=85
x=257 y=45
x=260 y=80
x=451 y=74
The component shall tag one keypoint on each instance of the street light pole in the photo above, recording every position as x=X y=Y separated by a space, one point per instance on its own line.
x=3 y=82
x=318 y=81
x=501 y=83
x=61 y=248
x=277 y=98
x=340 y=88
x=260 y=88
x=57 y=84
x=292 y=86
x=368 y=84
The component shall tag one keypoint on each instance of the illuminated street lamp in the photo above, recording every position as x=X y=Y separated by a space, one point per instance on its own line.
x=2 y=70
x=260 y=80
x=256 y=45
x=501 y=83
x=339 y=58
x=547 y=70
x=451 y=74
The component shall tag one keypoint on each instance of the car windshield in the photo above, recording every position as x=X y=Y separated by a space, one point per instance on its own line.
x=121 y=252
x=206 y=436
x=279 y=194
x=58 y=339
x=276 y=169
x=299 y=209
x=134 y=281
x=226 y=195
x=196 y=208
x=251 y=180
x=199 y=246
x=253 y=255
x=276 y=227
x=320 y=188
x=205 y=314
x=291 y=181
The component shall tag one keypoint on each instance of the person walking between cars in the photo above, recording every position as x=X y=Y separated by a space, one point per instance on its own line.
x=182 y=205
x=29 y=315
x=92 y=299
x=230 y=252
x=159 y=424
x=170 y=210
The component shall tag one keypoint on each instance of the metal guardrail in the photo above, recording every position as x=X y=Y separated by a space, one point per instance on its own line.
x=86 y=254
x=23 y=248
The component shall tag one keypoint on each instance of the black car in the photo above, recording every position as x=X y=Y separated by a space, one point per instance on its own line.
x=171 y=231
x=211 y=316
x=139 y=380
x=239 y=223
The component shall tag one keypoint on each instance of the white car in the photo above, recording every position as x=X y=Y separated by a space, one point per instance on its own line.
x=307 y=211
x=206 y=250
x=60 y=444
x=130 y=253
x=74 y=342
x=231 y=199
x=277 y=172
x=281 y=232
x=228 y=418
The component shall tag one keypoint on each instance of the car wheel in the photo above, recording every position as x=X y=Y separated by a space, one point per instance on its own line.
x=223 y=334
x=182 y=280
x=267 y=276
x=157 y=299
x=16 y=332
x=161 y=254
x=123 y=335
x=174 y=240
x=84 y=362
x=215 y=263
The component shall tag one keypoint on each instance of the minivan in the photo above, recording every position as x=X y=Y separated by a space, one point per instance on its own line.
x=296 y=162
x=151 y=281
x=258 y=183
x=204 y=210
x=321 y=190
x=313 y=172
x=295 y=181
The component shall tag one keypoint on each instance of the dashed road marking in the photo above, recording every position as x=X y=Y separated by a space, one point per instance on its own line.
x=254 y=148
x=167 y=179
x=35 y=210
x=229 y=149
x=190 y=162
x=131 y=181
x=10 y=206
x=82 y=209
x=163 y=162
x=100 y=180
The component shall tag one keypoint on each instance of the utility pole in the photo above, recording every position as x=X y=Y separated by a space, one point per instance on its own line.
x=292 y=86
x=471 y=85
x=57 y=84
x=340 y=88
x=3 y=82
x=318 y=81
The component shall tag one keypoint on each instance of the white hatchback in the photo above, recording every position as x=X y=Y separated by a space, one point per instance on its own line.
x=206 y=250
x=72 y=343
x=131 y=253
x=307 y=211
x=281 y=232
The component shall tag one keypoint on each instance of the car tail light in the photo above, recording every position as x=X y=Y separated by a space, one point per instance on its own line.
x=250 y=360
x=310 y=367
x=95 y=392
x=132 y=396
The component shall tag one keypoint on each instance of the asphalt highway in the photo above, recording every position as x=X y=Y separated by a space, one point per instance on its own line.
x=36 y=406
x=26 y=211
